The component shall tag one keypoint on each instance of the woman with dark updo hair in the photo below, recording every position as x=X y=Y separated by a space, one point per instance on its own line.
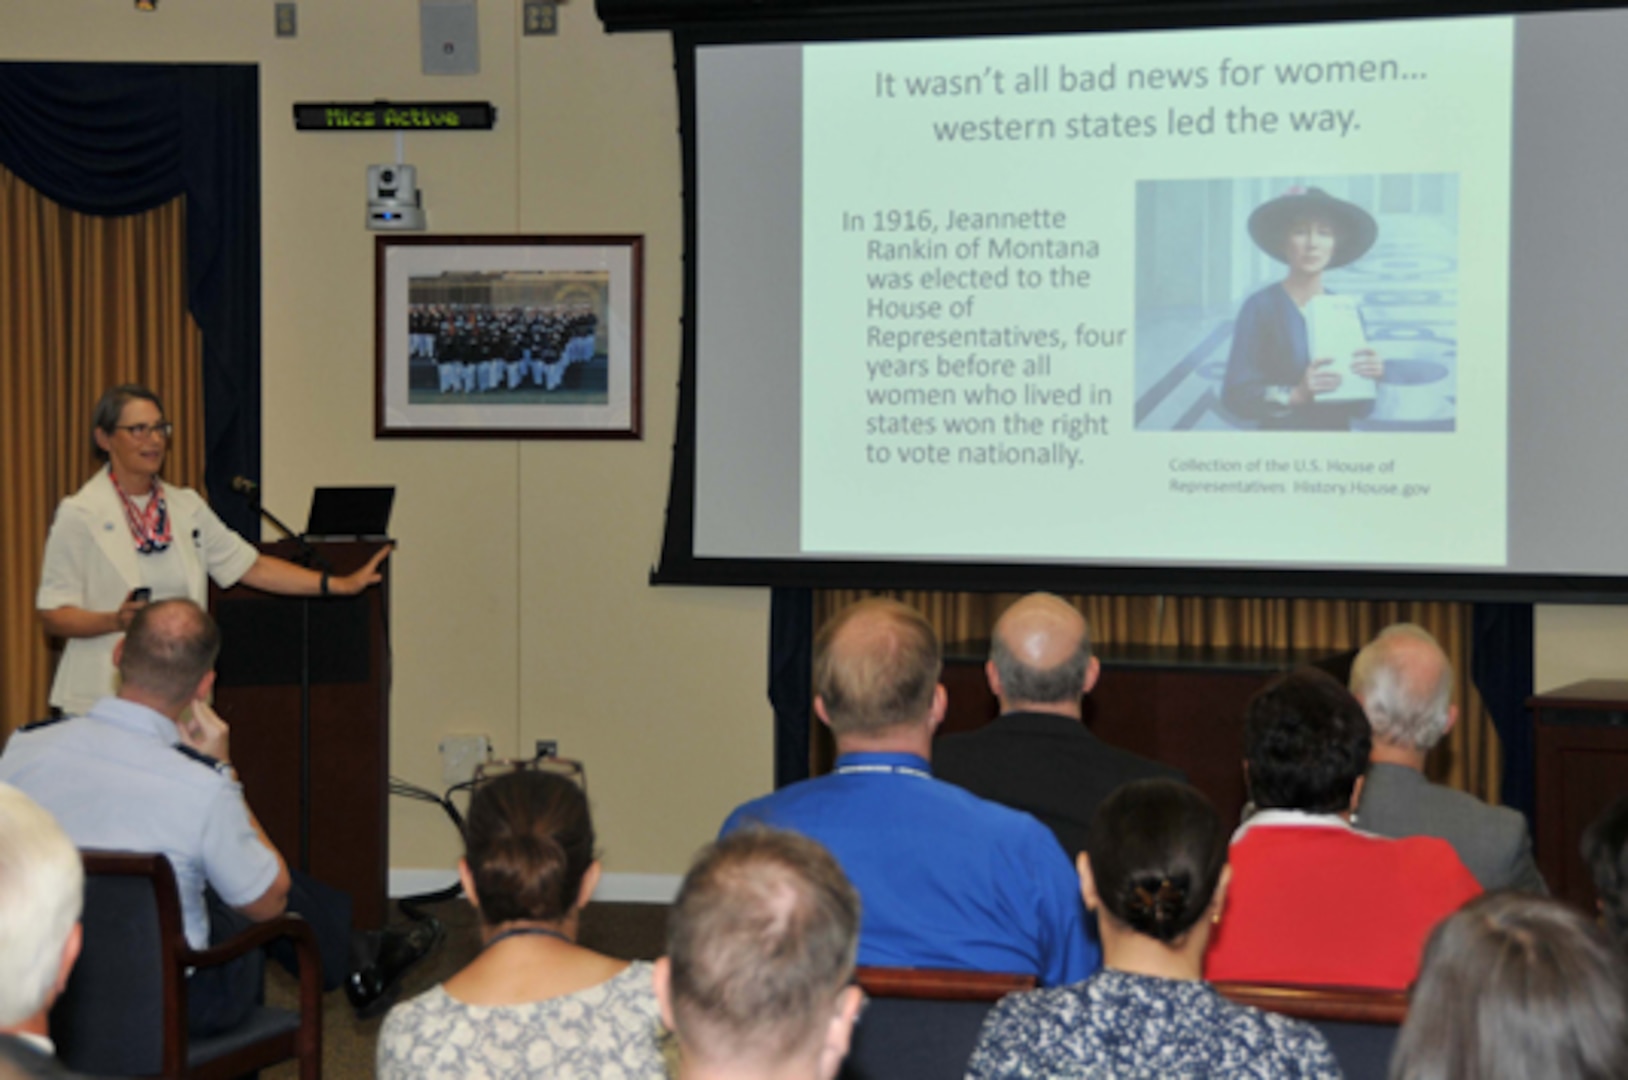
x=1155 y=875
x=533 y=1003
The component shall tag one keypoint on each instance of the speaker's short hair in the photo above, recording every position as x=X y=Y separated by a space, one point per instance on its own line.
x=876 y=666
x=110 y=406
x=42 y=891
x=761 y=940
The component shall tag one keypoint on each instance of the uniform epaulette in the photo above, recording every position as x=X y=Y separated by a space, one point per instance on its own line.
x=202 y=758
x=47 y=722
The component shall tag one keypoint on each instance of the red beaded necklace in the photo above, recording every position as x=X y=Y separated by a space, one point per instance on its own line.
x=150 y=528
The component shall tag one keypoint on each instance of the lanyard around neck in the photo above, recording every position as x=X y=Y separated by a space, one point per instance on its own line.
x=526 y=931
x=897 y=770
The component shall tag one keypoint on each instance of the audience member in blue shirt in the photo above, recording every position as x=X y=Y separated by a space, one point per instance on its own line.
x=947 y=880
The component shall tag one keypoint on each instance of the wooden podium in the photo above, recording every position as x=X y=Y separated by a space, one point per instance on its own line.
x=1582 y=768
x=344 y=653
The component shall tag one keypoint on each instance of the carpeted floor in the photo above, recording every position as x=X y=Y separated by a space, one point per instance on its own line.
x=629 y=931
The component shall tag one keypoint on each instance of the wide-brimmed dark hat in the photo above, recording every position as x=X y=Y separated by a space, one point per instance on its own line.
x=1354 y=228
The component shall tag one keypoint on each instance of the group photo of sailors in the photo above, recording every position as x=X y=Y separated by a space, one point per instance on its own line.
x=501 y=350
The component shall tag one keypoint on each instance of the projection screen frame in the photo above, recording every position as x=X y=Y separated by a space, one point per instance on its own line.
x=698 y=23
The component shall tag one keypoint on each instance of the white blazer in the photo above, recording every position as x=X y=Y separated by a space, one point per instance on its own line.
x=91 y=562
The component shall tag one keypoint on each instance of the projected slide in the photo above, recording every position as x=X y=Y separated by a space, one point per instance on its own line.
x=1193 y=295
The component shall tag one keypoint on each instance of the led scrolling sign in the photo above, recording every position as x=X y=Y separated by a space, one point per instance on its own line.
x=395 y=116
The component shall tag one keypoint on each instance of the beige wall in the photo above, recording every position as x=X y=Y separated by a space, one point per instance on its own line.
x=521 y=604
x=521 y=608
x=1579 y=642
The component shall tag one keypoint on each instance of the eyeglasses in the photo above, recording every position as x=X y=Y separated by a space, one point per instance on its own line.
x=141 y=431
x=566 y=767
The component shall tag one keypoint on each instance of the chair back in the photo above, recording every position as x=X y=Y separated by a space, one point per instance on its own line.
x=110 y=1019
x=922 y=1025
x=1361 y=1026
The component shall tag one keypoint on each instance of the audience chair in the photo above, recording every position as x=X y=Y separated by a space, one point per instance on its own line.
x=124 y=1012
x=922 y=1025
x=1361 y=1026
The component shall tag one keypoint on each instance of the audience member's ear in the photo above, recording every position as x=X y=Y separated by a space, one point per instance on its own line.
x=206 y=686
x=1218 y=902
x=941 y=705
x=1356 y=793
x=839 y=1033
x=993 y=676
x=819 y=710
x=590 y=883
x=1452 y=719
x=466 y=878
x=70 y=956
x=118 y=652
x=662 y=976
x=1092 y=671
x=1088 y=883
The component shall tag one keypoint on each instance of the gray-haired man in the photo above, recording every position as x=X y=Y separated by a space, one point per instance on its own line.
x=42 y=890
x=1405 y=684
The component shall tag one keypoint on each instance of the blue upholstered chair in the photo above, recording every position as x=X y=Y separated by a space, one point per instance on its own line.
x=922 y=1025
x=124 y=1012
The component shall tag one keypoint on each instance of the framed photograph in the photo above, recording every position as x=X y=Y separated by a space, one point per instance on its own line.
x=512 y=337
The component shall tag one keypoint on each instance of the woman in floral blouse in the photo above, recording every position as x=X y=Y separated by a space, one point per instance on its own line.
x=1156 y=878
x=533 y=1003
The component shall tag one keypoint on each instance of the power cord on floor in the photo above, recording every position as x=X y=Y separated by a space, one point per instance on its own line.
x=410 y=905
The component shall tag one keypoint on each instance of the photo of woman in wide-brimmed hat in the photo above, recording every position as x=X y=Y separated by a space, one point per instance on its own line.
x=1271 y=376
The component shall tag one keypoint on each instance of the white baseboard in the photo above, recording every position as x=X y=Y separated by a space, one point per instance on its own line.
x=616 y=888
x=639 y=888
x=414 y=882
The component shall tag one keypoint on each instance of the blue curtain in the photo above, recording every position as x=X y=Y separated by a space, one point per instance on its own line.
x=117 y=139
x=791 y=677
x=1501 y=666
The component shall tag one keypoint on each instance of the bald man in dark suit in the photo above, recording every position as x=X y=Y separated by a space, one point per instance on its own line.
x=1038 y=755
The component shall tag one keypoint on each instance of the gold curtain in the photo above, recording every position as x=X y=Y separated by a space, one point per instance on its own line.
x=1468 y=759
x=85 y=303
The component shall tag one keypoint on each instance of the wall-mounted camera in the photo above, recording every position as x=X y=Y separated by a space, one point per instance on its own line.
x=393 y=199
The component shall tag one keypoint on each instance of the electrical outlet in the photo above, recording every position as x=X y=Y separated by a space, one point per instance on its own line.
x=288 y=20
x=539 y=17
x=548 y=748
x=459 y=756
